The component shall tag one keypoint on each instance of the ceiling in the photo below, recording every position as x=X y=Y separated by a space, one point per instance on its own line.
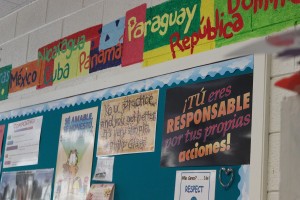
x=9 y=6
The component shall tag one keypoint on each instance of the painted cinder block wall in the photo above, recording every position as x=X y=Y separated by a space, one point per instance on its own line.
x=44 y=21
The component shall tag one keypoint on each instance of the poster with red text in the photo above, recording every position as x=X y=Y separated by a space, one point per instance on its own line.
x=208 y=123
x=75 y=155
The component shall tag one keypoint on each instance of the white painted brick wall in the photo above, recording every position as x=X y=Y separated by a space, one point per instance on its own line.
x=280 y=68
x=31 y=17
x=83 y=16
x=43 y=36
x=60 y=8
x=8 y=27
x=44 y=21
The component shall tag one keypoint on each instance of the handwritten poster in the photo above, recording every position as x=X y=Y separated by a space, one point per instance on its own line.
x=75 y=154
x=195 y=185
x=4 y=81
x=2 y=129
x=128 y=124
x=101 y=191
x=34 y=184
x=208 y=123
x=23 y=142
x=104 y=169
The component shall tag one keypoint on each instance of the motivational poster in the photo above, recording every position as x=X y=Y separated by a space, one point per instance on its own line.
x=75 y=154
x=23 y=142
x=29 y=185
x=128 y=124
x=25 y=76
x=104 y=169
x=195 y=185
x=101 y=191
x=2 y=129
x=4 y=81
x=208 y=123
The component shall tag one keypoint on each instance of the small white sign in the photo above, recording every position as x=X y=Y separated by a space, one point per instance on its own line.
x=195 y=185
x=104 y=169
x=22 y=143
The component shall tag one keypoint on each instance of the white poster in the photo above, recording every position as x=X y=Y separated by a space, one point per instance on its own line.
x=195 y=185
x=22 y=143
x=104 y=169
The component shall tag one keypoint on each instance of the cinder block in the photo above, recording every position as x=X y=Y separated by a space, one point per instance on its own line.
x=297 y=63
x=157 y=2
x=43 y=36
x=273 y=196
x=273 y=162
x=31 y=17
x=85 y=18
x=60 y=8
x=14 y=52
x=276 y=96
x=89 y=2
x=113 y=12
x=8 y=25
x=282 y=66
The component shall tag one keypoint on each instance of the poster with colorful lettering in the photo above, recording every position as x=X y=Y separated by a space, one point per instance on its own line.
x=75 y=154
x=2 y=129
x=25 y=76
x=68 y=57
x=128 y=124
x=4 y=81
x=168 y=24
x=209 y=123
x=29 y=185
x=23 y=142
x=195 y=185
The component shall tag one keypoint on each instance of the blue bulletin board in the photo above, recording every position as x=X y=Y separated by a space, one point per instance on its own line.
x=141 y=176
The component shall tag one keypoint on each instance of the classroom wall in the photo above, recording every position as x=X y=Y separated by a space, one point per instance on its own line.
x=280 y=68
x=44 y=21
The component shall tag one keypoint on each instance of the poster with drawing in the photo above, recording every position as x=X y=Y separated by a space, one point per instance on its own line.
x=75 y=154
x=23 y=142
x=26 y=185
x=128 y=124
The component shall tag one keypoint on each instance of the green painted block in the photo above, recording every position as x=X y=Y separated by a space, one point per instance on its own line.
x=168 y=18
x=4 y=81
x=271 y=16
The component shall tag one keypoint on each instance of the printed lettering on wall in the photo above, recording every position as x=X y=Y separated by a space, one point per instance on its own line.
x=25 y=76
x=4 y=81
x=133 y=35
x=208 y=123
x=194 y=26
x=65 y=58
x=109 y=51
